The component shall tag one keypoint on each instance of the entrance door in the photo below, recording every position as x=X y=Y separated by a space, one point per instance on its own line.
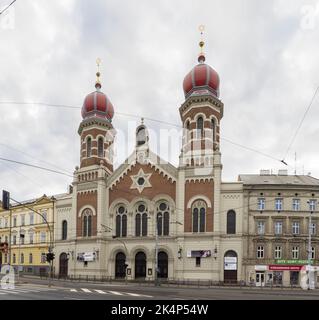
x=230 y=267
x=63 y=271
x=140 y=265
x=120 y=270
x=162 y=265
x=260 y=279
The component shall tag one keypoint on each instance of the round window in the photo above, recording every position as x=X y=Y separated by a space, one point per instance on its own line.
x=140 y=181
x=141 y=208
x=121 y=210
x=163 y=206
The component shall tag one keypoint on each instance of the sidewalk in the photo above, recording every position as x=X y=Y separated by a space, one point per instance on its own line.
x=24 y=279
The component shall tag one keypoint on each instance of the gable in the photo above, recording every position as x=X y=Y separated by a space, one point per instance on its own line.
x=156 y=181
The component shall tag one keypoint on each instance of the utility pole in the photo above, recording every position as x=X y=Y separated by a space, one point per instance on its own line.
x=310 y=275
x=156 y=252
x=19 y=256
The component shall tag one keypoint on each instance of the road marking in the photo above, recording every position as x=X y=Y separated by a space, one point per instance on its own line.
x=116 y=293
x=74 y=290
x=86 y=290
x=138 y=295
x=100 y=291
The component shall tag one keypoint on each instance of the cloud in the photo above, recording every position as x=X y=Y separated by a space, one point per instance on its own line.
x=266 y=60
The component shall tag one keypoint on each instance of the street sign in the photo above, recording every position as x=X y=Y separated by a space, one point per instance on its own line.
x=296 y=261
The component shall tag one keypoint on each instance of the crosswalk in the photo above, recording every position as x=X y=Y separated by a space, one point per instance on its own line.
x=20 y=290
x=107 y=292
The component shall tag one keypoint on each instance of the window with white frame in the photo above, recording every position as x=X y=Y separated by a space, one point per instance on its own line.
x=42 y=237
x=278 y=252
x=22 y=220
x=31 y=236
x=312 y=253
x=260 y=252
x=278 y=204
x=261 y=204
x=31 y=216
x=312 y=229
x=278 y=227
x=44 y=216
x=43 y=257
x=296 y=204
x=260 y=227
x=312 y=204
x=14 y=221
x=14 y=240
x=295 y=252
x=295 y=228
x=6 y=223
x=0 y=223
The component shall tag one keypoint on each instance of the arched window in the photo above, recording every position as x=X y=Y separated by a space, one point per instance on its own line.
x=200 y=127
x=88 y=147
x=213 y=129
x=231 y=222
x=141 y=136
x=14 y=258
x=163 y=219
x=30 y=258
x=121 y=221
x=87 y=223
x=199 y=216
x=100 y=148
x=64 y=230
x=141 y=220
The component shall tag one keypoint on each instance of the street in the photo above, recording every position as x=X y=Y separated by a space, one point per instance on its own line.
x=36 y=289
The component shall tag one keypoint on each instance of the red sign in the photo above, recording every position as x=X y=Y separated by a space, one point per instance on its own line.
x=284 y=268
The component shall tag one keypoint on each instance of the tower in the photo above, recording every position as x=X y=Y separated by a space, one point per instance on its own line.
x=201 y=114
x=200 y=159
x=96 y=161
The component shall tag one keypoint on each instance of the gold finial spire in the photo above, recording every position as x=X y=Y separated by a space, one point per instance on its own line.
x=142 y=120
x=98 y=74
x=201 y=57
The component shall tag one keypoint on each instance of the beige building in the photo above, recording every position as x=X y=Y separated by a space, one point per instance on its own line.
x=147 y=212
x=278 y=209
x=30 y=234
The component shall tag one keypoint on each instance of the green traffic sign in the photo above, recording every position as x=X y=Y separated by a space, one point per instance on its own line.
x=296 y=261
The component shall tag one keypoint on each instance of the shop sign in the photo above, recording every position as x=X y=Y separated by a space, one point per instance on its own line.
x=230 y=266
x=285 y=268
x=199 y=253
x=86 y=256
x=261 y=268
x=230 y=259
x=296 y=261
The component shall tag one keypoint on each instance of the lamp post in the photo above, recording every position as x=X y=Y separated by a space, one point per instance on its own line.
x=311 y=207
x=108 y=229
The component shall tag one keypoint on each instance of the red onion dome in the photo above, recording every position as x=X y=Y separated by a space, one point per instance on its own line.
x=201 y=79
x=97 y=104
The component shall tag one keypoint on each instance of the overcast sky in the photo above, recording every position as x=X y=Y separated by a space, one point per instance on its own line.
x=266 y=53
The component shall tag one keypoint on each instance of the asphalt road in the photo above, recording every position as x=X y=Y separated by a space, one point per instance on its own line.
x=36 y=289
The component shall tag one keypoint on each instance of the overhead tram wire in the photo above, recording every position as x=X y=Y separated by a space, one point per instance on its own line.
x=146 y=118
x=7 y=7
x=35 y=166
x=300 y=124
x=130 y=192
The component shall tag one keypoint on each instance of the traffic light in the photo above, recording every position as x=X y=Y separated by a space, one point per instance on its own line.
x=50 y=256
x=5 y=200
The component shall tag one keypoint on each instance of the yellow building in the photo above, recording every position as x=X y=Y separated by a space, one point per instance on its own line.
x=31 y=235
